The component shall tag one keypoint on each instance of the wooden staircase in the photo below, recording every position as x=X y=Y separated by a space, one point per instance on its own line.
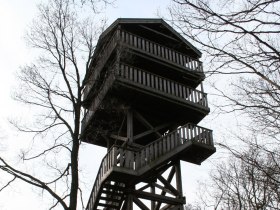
x=123 y=166
x=111 y=195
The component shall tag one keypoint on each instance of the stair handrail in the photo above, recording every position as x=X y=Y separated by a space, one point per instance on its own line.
x=101 y=172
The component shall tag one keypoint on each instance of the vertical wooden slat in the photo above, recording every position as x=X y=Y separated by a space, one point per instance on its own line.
x=139 y=77
x=156 y=149
x=164 y=86
x=139 y=43
x=143 y=44
x=168 y=87
x=131 y=73
x=159 y=50
x=168 y=140
x=147 y=155
x=180 y=87
x=151 y=147
x=160 y=83
x=172 y=140
x=172 y=88
x=151 y=47
x=152 y=81
x=134 y=41
x=176 y=89
x=148 y=79
x=130 y=40
x=144 y=77
x=160 y=148
x=162 y=52
x=135 y=75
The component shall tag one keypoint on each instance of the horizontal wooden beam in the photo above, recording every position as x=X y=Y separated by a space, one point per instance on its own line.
x=158 y=198
x=152 y=130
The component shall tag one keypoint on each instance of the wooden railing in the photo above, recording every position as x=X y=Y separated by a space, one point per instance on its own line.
x=147 y=46
x=161 y=51
x=162 y=84
x=106 y=164
x=101 y=60
x=97 y=100
x=135 y=160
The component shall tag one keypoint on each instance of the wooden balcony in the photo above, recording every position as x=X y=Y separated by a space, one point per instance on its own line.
x=158 y=84
x=161 y=52
x=122 y=39
x=189 y=143
x=136 y=79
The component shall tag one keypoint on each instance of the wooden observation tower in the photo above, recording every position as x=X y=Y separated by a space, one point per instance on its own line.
x=143 y=101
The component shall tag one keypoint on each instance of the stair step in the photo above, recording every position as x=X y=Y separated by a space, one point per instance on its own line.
x=114 y=186
x=113 y=199
x=111 y=206
x=114 y=193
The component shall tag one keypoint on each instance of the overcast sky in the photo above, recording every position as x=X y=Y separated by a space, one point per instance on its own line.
x=15 y=15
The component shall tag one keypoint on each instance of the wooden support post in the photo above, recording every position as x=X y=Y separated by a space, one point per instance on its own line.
x=201 y=86
x=153 y=191
x=179 y=178
x=129 y=202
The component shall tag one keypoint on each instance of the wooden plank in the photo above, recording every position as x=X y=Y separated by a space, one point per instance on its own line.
x=172 y=139
x=135 y=75
x=143 y=161
x=160 y=83
x=148 y=75
x=130 y=40
x=155 y=49
x=151 y=152
x=152 y=81
x=168 y=87
x=159 y=50
x=160 y=148
x=164 y=85
x=156 y=149
x=147 y=154
x=176 y=89
x=143 y=44
x=139 y=43
x=172 y=88
x=151 y=47
x=144 y=77
x=147 y=46
x=164 y=145
x=135 y=41
x=140 y=77
x=130 y=73
x=162 y=52
x=168 y=143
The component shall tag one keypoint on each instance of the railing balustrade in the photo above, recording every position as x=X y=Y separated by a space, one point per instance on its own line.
x=142 y=44
x=161 y=51
x=162 y=84
x=135 y=160
x=101 y=58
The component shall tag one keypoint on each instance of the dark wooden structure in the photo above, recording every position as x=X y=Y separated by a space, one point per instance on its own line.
x=143 y=103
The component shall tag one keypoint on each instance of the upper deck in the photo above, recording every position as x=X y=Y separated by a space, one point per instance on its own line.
x=184 y=67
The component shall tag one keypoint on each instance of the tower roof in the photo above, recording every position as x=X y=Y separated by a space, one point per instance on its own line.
x=156 y=25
